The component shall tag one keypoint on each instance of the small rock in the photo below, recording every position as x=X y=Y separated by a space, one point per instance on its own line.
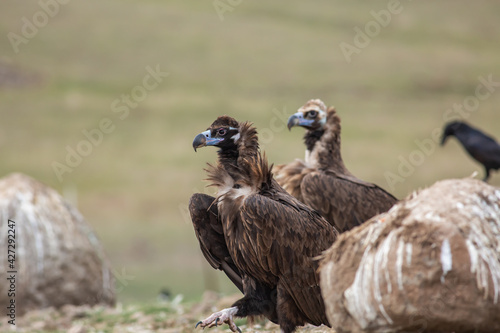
x=78 y=328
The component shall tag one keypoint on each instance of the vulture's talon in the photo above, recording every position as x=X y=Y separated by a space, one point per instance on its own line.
x=196 y=326
x=222 y=317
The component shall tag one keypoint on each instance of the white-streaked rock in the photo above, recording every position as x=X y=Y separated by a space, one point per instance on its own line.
x=432 y=263
x=59 y=259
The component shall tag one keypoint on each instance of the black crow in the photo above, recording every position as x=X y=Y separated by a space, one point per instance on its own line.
x=483 y=148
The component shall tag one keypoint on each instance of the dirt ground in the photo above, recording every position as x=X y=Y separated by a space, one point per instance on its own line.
x=165 y=316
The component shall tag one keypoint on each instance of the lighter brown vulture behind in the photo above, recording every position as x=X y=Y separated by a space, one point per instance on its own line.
x=322 y=181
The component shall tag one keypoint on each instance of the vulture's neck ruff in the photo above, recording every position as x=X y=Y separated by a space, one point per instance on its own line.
x=240 y=170
x=323 y=146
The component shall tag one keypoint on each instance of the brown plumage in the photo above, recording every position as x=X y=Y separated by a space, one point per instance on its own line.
x=322 y=181
x=258 y=234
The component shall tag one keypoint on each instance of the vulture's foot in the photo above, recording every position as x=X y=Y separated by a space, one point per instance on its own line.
x=219 y=318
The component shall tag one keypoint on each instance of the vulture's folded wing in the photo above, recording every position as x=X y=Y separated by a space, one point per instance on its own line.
x=208 y=230
x=344 y=200
x=284 y=237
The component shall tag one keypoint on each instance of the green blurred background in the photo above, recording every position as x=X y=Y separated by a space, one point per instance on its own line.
x=261 y=60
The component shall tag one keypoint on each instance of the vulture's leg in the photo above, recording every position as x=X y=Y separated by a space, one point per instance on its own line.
x=210 y=234
x=289 y=316
x=258 y=301
x=487 y=174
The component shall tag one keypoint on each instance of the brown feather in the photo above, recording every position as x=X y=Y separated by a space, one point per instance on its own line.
x=326 y=185
x=209 y=232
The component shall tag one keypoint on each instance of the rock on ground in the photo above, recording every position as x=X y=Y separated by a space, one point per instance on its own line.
x=58 y=258
x=432 y=263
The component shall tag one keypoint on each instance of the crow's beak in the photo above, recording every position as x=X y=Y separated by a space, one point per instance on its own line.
x=205 y=139
x=443 y=139
x=297 y=119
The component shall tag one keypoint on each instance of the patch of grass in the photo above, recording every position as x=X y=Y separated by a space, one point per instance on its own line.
x=166 y=316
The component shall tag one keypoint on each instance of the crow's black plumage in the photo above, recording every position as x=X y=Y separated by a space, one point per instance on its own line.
x=264 y=239
x=483 y=148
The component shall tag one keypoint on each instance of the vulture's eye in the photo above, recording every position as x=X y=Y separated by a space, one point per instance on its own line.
x=312 y=114
x=222 y=131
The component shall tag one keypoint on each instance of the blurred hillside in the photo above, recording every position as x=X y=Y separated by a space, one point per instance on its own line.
x=101 y=100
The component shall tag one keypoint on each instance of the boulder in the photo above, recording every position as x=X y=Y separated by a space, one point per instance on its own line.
x=430 y=264
x=58 y=258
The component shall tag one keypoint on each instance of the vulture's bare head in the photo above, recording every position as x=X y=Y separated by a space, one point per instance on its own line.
x=311 y=116
x=223 y=133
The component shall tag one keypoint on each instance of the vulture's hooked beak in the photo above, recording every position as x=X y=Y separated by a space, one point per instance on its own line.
x=205 y=139
x=297 y=119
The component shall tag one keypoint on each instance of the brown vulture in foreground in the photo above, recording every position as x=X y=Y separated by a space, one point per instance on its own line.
x=260 y=236
x=322 y=181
